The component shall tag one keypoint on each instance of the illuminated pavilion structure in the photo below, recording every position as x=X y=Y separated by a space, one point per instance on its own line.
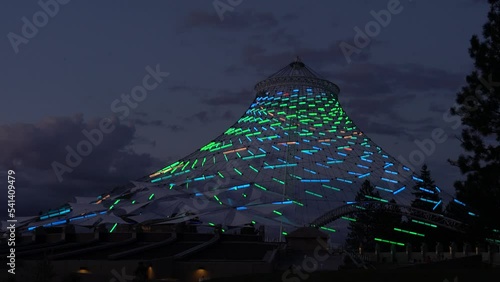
x=290 y=159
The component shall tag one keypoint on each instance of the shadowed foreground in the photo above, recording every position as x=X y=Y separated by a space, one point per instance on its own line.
x=408 y=275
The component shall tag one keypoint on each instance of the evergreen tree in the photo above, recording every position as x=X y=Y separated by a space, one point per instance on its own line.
x=478 y=106
x=427 y=199
x=425 y=192
x=375 y=222
x=386 y=220
x=361 y=230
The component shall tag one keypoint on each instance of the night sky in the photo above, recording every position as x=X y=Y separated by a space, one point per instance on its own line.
x=66 y=77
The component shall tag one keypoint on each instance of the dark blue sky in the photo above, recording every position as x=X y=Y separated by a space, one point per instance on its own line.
x=65 y=78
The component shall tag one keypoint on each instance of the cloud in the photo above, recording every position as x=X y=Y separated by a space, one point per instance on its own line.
x=141 y=114
x=265 y=62
x=235 y=21
x=372 y=78
x=188 y=88
x=278 y=37
x=143 y=122
x=156 y=123
x=227 y=97
x=206 y=117
x=31 y=148
x=175 y=128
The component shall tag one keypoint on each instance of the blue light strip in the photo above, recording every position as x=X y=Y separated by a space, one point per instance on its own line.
x=310 y=171
x=437 y=205
x=384 y=189
x=364 y=175
x=239 y=187
x=315 y=180
x=204 y=177
x=344 y=180
x=399 y=190
x=283 y=203
x=55 y=213
x=417 y=179
x=389 y=180
x=428 y=201
x=278 y=166
x=322 y=165
x=426 y=190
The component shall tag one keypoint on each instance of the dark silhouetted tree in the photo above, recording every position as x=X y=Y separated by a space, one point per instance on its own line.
x=374 y=222
x=425 y=192
x=478 y=107
x=427 y=198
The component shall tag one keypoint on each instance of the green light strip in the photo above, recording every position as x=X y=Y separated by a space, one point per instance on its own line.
x=167 y=167
x=328 y=229
x=279 y=181
x=221 y=147
x=390 y=242
x=173 y=170
x=253 y=134
x=253 y=157
x=424 y=223
x=113 y=228
x=331 y=187
x=260 y=186
x=409 y=232
x=217 y=198
x=300 y=204
x=314 y=194
x=493 y=240
x=194 y=163
x=185 y=166
x=253 y=168
x=375 y=198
